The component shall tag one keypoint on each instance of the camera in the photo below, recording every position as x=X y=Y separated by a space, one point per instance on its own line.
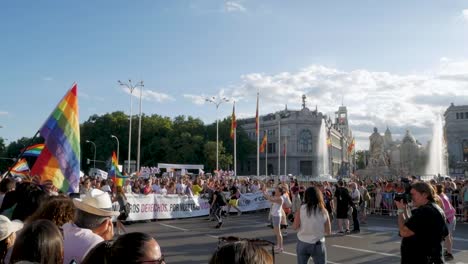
x=405 y=196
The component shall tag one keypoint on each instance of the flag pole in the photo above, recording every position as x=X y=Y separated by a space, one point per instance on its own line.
x=285 y=153
x=266 y=153
x=258 y=138
x=279 y=146
x=21 y=154
x=235 y=144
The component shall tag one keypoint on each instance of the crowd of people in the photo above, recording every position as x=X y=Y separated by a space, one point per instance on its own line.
x=40 y=225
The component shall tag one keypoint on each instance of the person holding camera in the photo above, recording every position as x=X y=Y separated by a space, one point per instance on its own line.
x=423 y=229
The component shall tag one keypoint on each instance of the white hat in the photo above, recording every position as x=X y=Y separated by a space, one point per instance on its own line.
x=8 y=227
x=96 y=202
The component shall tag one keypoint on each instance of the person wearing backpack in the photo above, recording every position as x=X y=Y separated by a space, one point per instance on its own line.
x=365 y=202
x=218 y=201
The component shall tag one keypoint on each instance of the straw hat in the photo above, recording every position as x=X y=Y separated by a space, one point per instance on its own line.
x=96 y=202
x=8 y=227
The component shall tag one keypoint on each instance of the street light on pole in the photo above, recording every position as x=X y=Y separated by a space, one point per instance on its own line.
x=217 y=101
x=131 y=87
x=112 y=136
x=89 y=141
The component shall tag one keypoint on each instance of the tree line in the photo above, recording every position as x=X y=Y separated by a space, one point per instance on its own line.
x=182 y=140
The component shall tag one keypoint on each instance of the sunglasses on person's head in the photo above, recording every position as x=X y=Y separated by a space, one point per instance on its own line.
x=156 y=261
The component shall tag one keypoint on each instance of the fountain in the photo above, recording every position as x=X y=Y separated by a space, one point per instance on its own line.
x=323 y=160
x=437 y=163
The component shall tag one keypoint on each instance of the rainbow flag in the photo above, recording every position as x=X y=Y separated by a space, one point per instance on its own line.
x=21 y=165
x=59 y=160
x=34 y=150
x=114 y=172
x=20 y=169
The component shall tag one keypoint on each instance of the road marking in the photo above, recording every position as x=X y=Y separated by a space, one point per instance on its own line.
x=354 y=236
x=292 y=254
x=212 y=236
x=367 y=251
x=175 y=227
x=460 y=239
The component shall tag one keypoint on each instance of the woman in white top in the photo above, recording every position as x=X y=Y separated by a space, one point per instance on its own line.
x=313 y=223
x=276 y=212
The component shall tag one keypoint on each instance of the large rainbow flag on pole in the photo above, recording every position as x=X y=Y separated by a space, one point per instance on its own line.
x=114 y=172
x=59 y=161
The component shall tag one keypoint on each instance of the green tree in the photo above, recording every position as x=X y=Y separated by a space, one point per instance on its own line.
x=361 y=159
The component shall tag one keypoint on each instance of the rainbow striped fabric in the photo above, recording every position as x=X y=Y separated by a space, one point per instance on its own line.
x=34 y=150
x=59 y=161
x=114 y=172
x=20 y=169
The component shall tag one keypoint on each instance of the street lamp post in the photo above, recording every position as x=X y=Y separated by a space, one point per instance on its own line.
x=131 y=87
x=217 y=101
x=118 y=151
x=89 y=141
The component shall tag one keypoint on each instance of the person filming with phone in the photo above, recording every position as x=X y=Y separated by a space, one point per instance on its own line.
x=423 y=229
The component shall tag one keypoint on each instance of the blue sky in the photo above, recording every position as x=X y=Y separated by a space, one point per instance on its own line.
x=395 y=63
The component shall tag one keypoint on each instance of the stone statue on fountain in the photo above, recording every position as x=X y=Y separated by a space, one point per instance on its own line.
x=376 y=150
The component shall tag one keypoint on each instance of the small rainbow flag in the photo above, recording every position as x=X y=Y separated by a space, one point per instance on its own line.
x=34 y=150
x=114 y=172
x=59 y=160
x=21 y=169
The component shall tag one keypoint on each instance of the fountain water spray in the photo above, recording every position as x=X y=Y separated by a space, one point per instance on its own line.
x=437 y=163
x=323 y=158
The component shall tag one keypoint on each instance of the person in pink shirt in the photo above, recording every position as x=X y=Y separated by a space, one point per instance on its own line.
x=451 y=221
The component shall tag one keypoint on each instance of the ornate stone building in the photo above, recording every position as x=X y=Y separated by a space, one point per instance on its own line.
x=456 y=133
x=294 y=134
x=401 y=158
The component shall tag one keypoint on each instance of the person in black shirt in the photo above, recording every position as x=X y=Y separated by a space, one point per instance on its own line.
x=217 y=203
x=342 y=202
x=422 y=229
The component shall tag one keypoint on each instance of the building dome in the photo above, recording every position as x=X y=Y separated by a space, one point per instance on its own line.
x=408 y=138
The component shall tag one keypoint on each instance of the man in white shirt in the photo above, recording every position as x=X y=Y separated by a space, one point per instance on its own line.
x=156 y=188
x=93 y=224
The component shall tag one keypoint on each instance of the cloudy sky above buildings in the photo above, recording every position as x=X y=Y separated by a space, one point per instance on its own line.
x=392 y=63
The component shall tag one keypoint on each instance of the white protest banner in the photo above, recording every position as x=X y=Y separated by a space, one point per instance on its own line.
x=157 y=206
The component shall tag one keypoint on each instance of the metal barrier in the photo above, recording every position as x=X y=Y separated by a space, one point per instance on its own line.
x=385 y=205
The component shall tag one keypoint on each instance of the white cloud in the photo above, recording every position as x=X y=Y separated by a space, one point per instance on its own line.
x=234 y=6
x=374 y=99
x=196 y=99
x=3 y=113
x=465 y=14
x=149 y=95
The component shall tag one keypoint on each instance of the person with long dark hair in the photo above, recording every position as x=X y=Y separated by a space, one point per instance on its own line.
x=129 y=248
x=313 y=223
x=39 y=242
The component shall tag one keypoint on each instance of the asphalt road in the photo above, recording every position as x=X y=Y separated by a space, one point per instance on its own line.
x=194 y=240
